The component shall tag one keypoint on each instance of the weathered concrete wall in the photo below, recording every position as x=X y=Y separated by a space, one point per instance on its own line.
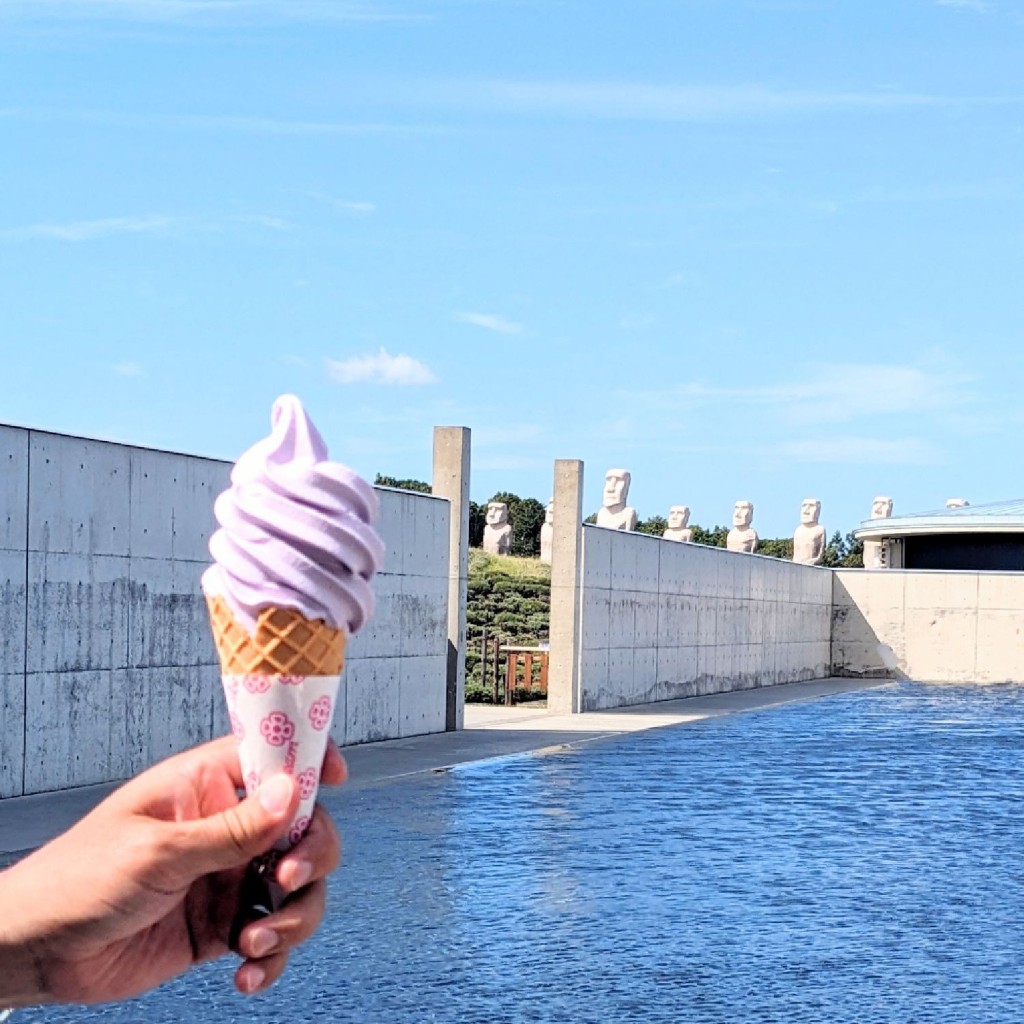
x=396 y=669
x=662 y=619
x=941 y=626
x=107 y=663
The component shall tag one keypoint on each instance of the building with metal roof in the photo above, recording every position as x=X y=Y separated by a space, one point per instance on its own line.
x=973 y=537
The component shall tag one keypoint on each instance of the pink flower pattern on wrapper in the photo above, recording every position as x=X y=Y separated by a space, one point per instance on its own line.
x=291 y=680
x=277 y=728
x=320 y=713
x=298 y=830
x=236 y=727
x=252 y=782
x=231 y=687
x=256 y=684
x=307 y=783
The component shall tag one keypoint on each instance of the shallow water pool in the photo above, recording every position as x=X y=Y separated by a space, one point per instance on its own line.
x=856 y=858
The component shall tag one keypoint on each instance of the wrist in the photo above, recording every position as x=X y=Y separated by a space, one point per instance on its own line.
x=22 y=976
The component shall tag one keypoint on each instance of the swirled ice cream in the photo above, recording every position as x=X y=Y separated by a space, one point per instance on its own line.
x=296 y=530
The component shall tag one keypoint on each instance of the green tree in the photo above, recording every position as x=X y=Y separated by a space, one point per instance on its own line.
x=776 y=547
x=655 y=526
x=403 y=485
x=854 y=556
x=713 y=538
x=477 y=522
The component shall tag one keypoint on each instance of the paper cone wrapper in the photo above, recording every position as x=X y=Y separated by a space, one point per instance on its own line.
x=281 y=686
x=282 y=724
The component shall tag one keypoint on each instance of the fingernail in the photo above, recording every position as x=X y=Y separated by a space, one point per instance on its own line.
x=276 y=794
x=262 y=941
x=253 y=978
x=301 y=873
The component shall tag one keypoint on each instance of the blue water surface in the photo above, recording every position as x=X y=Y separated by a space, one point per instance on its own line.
x=856 y=858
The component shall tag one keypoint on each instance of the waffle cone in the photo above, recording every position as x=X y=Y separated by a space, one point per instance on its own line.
x=285 y=643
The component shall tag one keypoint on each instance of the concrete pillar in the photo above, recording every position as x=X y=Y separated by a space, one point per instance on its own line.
x=566 y=552
x=451 y=481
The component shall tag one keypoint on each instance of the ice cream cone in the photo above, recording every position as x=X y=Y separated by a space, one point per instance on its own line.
x=285 y=643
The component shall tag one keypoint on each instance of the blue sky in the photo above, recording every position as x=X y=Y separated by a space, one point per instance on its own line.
x=760 y=249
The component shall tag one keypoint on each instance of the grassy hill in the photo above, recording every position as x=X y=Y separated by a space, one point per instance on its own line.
x=508 y=597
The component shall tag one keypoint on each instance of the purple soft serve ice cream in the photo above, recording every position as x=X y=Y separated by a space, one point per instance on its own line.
x=296 y=530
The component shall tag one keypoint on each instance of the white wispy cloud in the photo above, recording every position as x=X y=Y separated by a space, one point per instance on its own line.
x=129 y=370
x=354 y=209
x=656 y=102
x=216 y=122
x=381 y=368
x=832 y=393
x=86 y=230
x=153 y=224
x=206 y=11
x=973 y=5
x=909 y=451
x=489 y=322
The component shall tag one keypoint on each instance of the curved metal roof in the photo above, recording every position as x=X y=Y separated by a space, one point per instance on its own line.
x=994 y=517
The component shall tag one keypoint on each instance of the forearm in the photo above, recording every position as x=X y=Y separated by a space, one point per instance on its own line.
x=22 y=977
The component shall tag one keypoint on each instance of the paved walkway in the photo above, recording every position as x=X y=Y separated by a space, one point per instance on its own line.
x=490 y=731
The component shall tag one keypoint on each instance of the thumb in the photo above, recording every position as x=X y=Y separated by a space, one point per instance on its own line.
x=235 y=836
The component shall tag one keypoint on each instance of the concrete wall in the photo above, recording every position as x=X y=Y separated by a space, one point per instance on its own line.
x=941 y=626
x=107 y=663
x=660 y=619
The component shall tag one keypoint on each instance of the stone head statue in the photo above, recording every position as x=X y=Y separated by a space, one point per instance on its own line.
x=616 y=488
x=809 y=538
x=497 y=513
x=614 y=513
x=498 y=531
x=881 y=508
x=957 y=503
x=742 y=536
x=678 y=517
x=742 y=514
x=810 y=509
x=547 y=532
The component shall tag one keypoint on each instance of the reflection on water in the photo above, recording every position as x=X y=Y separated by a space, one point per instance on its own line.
x=853 y=859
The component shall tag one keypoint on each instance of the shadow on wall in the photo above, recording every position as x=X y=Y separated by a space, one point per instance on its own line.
x=857 y=650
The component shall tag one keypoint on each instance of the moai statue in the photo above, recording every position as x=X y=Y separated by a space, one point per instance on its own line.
x=742 y=536
x=809 y=539
x=615 y=514
x=678 y=517
x=875 y=550
x=957 y=503
x=547 y=531
x=498 y=531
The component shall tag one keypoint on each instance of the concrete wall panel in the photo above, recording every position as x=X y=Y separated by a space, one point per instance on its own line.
x=12 y=668
x=372 y=708
x=172 y=504
x=381 y=637
x=79 y=496
x=941 y=626
x=77 y=730
x=713 y=622
x=424 y=615
x=421 y=700
x=13 y=488
x=77 y=612
x=169 y=625
x=167 y=709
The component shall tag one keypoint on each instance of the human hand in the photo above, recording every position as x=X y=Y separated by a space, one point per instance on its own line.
x=148 y=884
